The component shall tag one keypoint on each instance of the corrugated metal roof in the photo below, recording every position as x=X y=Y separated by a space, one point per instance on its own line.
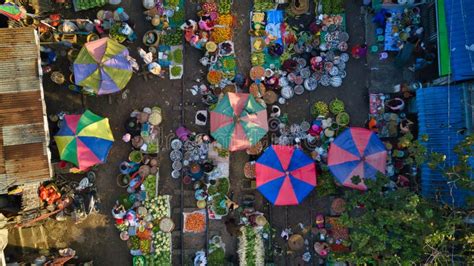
x=24 y=137
x=460 y=26
x=436 y=107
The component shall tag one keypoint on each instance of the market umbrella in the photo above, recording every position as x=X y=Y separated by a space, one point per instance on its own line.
x=84 y=140
x=103 y=66
x=12 y=11
x=238 y=121
x=356 y=152
x=285 y=175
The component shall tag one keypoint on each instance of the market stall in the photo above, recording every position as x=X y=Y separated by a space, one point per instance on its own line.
x=142 y=215
x=206 y=165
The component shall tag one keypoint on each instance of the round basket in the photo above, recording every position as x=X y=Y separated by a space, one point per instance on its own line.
x=342 y=119
x=249 y=170
x=58 y=77
x=123 y=180
x=270 y=97
x=255 y=149
x=338 y=206
x=257 y=72
x=166 y=225
x=156 y=38
x=257 y=90
x=135 y=156
x=211 y=47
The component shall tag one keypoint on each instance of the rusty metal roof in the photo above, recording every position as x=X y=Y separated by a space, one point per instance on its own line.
x=24 y=137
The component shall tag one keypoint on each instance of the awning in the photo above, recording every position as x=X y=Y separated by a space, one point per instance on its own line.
x=442 y=117
x=456 y=38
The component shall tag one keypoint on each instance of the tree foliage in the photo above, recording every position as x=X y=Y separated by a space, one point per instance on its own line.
x=400 y=227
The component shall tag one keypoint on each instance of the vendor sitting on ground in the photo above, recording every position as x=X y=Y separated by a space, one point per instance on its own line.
x=118 y=211
x=205 y=23
x=189 y=28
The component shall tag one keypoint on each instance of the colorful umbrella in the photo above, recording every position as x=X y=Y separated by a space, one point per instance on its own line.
x=238 y=121
x=285 y=175
x=84 y=140
x=356 y=152
x=12 y=11
x=103 y=66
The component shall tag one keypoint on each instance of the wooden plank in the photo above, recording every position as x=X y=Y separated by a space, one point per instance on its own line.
x=21 y=117
x=19 y=84
x=24 y=151
x=20 y=100
x=31 y=176
x=25 y=167
x=23 y=134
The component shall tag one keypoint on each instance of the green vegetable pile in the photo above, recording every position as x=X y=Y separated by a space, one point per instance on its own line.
x=216 y=204
x=172 y=38
x=228 y=63
x=176 y=71
x=212 y=190
x=158 y=207
x=150 y=185
x=178 y=56
x=145 y=246
x=257 y=59
x=319 y=108
x=342 y=119
x=164 y=258
x=223 y=186
x=216 y=257
x=161 y=242
x=172 y=3
x=336 y=106
x=115 y=33
x=333 y=6
x=134 y=242
x=251 y=250
x=178 y=16
x=224 y=6
x=88 y=4
x=263 y=5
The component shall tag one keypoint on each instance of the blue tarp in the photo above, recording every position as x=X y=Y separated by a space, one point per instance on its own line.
x=441 y=116
x=460 y=27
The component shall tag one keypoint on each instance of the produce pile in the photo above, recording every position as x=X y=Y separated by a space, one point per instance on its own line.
x=251 y=249
x=214 y=36
x=194 y=222
x=140 y=215
x=88 y=4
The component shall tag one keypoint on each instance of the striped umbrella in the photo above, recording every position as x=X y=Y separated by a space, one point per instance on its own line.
x=103 y=66
x=356 y=152
x=285 y=175
x=84 y=140
x=238 y=121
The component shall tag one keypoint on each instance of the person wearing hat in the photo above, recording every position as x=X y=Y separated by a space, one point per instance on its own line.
x=189 y=28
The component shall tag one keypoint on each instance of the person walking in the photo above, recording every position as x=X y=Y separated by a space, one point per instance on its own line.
x=359 y=51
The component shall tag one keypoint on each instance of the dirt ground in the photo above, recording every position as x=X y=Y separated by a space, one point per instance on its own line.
x=96 y=238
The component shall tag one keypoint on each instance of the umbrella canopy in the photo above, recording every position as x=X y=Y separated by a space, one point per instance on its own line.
x=103 y=66
x=84 y=140
x=285 y=175
x=356 y=152
x=12 y=11
x=238 y=121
